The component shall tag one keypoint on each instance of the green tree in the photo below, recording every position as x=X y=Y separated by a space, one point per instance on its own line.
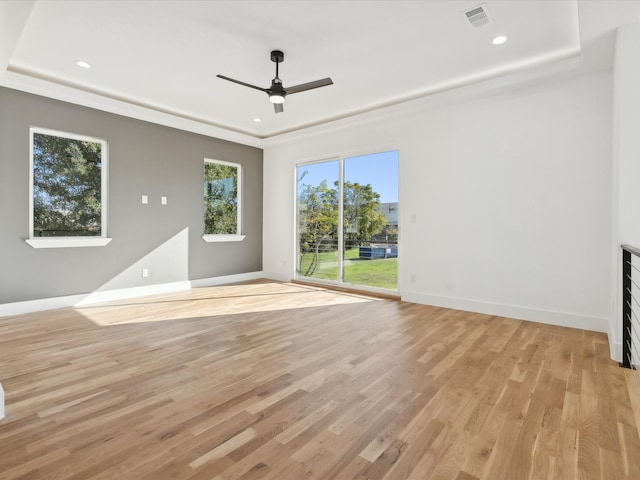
x=220 y=199
x=318 y=218
x=317 y=221
x=67 y=186
x=361 y=218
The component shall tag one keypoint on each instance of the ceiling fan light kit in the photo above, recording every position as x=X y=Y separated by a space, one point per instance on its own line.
x=277 y=92
x=275 y=98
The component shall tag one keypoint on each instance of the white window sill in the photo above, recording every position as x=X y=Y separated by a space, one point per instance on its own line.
x=223 y=238
x=65 y=242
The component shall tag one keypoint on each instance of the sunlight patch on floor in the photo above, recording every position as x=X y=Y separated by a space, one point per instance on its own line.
x=217 y=301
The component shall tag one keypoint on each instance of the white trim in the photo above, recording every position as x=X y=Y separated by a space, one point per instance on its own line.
x=62 y=242
x=544 y=65
x=615 y=350
x=123 y=293
x=462 y=89
x=277 y=276
x=341 y=159
x=30 y=306
x=214 y=237
x=561 y=319
x=223 y=238
x=615 y=344
x=238 y=277
x=31 y=182
x=66 y=242
x=125 y=107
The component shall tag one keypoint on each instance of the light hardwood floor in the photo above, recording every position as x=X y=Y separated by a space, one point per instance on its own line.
x=276 y=381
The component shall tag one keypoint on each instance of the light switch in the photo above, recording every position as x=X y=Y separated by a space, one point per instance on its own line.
x=163 y=200
x=145 y=199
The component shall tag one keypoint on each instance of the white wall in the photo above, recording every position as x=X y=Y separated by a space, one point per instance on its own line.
x=511 y=191
x=626 y=163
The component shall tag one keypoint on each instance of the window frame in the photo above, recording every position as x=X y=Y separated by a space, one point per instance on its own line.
x=227 y=237
x=340 y=281
x=70 y=241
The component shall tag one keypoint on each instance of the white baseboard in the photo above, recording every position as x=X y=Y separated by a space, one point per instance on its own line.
x=30 y=306
x=279 y=277
x=615 y=342
x=615 y=350
x=133 y=292
x=213 y=281
x=521 y=313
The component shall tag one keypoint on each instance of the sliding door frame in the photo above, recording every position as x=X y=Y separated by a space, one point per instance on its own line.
x=339 y=282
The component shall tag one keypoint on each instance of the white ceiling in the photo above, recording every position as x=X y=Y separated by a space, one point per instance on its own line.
x=165 y=55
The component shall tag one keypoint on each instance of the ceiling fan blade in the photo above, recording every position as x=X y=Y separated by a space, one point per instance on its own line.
x=241 y=83
x=279 y=107
x=309 y=86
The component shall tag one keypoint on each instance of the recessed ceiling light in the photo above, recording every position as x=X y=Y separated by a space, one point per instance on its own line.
x=257 y=120
x=83 y=64
x=499 y=40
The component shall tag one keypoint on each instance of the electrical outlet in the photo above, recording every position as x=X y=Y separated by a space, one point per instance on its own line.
x=145 y=272
x=163 y=200
x=145 y=199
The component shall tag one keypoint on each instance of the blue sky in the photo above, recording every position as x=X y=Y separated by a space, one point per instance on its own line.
x=378 y=169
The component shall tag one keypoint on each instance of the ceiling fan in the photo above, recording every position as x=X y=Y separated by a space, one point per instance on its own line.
x=276 y=91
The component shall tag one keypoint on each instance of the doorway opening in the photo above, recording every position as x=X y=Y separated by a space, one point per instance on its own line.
x=347 y=221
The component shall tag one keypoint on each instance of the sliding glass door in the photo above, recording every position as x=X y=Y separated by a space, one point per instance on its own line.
x=318 y=219
x=347 y=221
x=370 y=213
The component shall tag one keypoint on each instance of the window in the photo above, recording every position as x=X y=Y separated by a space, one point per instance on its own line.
x=347 y=221
x=68 y=185
x=222 y=201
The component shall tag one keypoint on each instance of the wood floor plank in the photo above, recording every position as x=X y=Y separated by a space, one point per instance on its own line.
x=275 y=381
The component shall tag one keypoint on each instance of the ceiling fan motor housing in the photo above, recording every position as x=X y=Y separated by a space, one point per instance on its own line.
x=276 y=88
x=277 y=56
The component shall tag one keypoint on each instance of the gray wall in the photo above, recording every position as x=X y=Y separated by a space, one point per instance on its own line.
x=144 y=158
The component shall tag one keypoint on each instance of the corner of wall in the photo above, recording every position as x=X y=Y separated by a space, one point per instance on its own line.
x=625 y=167
x=562 y=319
x=278 y=277
x=615 y=346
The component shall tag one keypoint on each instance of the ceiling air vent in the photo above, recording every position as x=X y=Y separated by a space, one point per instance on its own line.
x=477 y=16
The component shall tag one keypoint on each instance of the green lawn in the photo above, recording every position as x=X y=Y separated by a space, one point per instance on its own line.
x=382 y=272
